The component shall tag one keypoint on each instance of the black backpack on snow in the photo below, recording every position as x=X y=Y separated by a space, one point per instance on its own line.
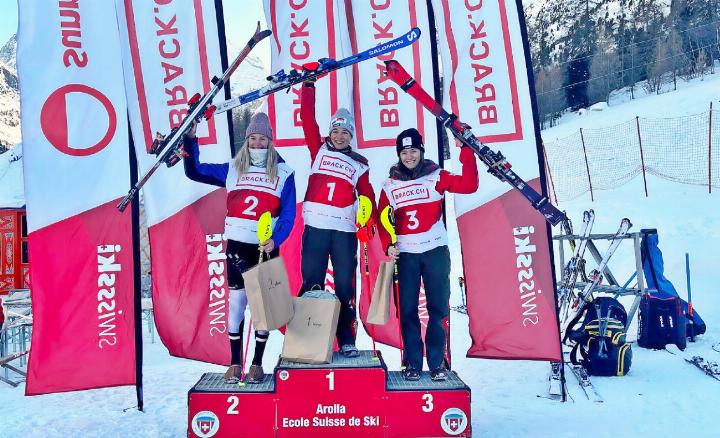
x=600 y=340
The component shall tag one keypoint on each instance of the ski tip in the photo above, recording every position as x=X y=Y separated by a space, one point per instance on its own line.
x=261 y=35
x=413 y=35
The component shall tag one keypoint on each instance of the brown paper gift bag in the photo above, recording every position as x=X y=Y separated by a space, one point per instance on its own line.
x=310 y=334
x=379 y=312
x=268 y=294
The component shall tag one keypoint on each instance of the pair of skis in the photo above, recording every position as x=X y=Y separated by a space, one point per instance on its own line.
x=571 y=270
x=585 y=384
x=497 y=164
x=570 y=305
x=712 y=369
x=169 y=148
x=555 y=389
x=556 y=378
x=585 y=296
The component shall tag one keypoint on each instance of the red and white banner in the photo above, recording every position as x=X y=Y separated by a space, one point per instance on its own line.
x=382 y=109
x=74 y=127
x=305 y=31
x=171 y=51
x=508 y=264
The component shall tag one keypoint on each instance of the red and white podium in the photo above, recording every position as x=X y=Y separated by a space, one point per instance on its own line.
x=347 y=398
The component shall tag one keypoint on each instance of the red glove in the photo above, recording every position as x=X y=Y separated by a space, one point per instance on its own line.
x=366 y=233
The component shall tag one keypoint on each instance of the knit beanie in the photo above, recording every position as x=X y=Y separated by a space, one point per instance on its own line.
x=259 y=124
x=408 y=139
x=344 y=120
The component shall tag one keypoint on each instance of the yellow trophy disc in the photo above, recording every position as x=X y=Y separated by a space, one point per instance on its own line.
x=264 y=230
x=387 y=222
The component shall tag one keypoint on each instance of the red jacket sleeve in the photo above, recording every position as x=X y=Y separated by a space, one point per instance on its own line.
x=364 y=187
x=384 y=235
x=467 y=181
x=311 y=130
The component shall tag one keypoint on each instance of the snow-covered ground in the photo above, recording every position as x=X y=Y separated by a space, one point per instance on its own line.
x=12 y=194
x=691 y=97
x=661 y=396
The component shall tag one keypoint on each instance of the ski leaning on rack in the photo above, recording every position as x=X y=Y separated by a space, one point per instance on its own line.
x=167 y=148
x=497 y=165
x=565 y=293
x=596 y=275
x=312 y=70
x=571 y=269
x=584 y=380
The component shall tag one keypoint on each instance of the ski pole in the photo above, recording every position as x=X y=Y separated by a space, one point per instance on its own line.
x=461 y=281
x=386 y=220
x=691 y=323
x=264 y=233
x=244 y=361
x=363 y=216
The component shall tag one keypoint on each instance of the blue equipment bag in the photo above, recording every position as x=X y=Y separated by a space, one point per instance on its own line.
x=662 y=321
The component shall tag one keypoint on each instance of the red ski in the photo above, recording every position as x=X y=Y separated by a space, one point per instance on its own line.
x=497 y=165
x=169 y=148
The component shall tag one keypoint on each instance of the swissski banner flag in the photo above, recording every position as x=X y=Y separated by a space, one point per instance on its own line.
x=505 y=243
x=171 y=51
x=74 y=128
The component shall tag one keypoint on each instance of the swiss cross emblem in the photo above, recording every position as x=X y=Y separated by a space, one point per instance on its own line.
x=454 y=421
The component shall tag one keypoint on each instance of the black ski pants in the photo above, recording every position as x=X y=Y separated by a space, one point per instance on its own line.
x=433 y=267
x=341 y=246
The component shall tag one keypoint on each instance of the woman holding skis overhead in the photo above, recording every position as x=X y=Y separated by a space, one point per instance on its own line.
x=415 y=191
x=338 y=175
x=257 y=180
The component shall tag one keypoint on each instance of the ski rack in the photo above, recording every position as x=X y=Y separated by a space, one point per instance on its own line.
x=349 y=397
x=615 y=288
x=15 y=336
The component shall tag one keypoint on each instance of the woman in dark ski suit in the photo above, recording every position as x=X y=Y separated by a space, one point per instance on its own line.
x=415 y=190
x=338 y=175
x=257 y=180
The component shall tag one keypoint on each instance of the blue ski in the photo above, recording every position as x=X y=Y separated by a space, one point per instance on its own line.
x=281 y=80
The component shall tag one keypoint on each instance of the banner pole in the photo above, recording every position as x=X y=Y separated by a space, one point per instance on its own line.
x=137 y=295
x=543 y=182
x=222 y=37
x=437 y=91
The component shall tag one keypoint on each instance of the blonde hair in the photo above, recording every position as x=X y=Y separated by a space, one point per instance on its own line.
x=241 y=162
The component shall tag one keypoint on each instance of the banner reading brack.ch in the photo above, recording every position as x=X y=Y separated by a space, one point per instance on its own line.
x=171 y=51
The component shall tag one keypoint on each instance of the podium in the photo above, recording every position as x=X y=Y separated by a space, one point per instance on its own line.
x=350 y=397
